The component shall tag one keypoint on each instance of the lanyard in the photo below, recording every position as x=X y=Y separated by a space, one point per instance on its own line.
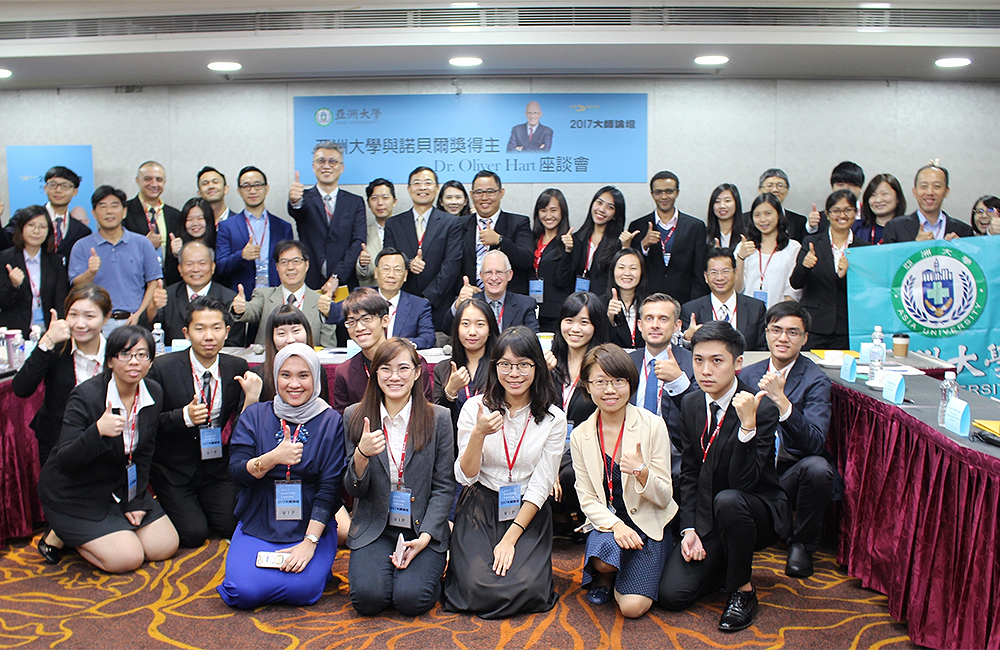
x=36 y=293
x=506 y=451
x=732 y=314
x=591 y=249
x=253 y=234
x=402 y=455
x=665 y=237
x=626 y=312
x=872 y=238
x=426 y=218
x=295 y=438
x=199 y=385
x=568 y=397
x=659 y=393
x=609 y=467
x=76 y=375
x=704 y=449
x=763 y=267
x=538 y=252
x=297 y=303
x=131 y=424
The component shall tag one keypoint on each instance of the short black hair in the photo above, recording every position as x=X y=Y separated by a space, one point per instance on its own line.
x=385 y=252
x=21 y=219
x=716 y=253
x=103 y=192
x=720 y=330
x=365 y=300
x=247 y=170
x=789 y=308
x=916 y=176
x=287 y=244
x=379 y=182
x=848 y=172
x=204 y=303
x=615 y=363
x=845 y=194
x=206 y=169
x=664 y=176
x=486 y=173
x=422 y=168
x=125 y=338
x=63 y=172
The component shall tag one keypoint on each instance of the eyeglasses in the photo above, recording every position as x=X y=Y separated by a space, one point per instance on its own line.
x=523 y=368
x=792 y=332
x=491 y=274
x=323 y=162
x=667 y=192
x=290 y=261
x=36 y=227
x=404 y=371
x=127 y=356
x=481 y=193
x=601 y=384
x=771 y=187
x=55 y=185
x=836 y=212
x=252 y=186
x=423 y=183
x=365 y=320
x=719 y=273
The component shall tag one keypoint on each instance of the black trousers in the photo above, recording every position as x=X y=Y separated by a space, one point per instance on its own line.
x=743 y=524
x=198 y=508
x=376 y=584
x=809 y=484
x=570 y=503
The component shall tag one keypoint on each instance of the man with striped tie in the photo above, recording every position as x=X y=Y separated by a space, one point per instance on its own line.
x=724 y=303
x=491 y=229
x=146 y=213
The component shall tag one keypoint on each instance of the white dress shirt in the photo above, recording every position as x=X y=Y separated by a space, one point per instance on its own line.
x=201 y=293
x=777 y=272
x=730 y=307
x=395 y=434
x=197 y=373
x=673 y=388
x=723 y=403
x=87 y=366
x=114 y=400
x=299 y=295
x=393 y=306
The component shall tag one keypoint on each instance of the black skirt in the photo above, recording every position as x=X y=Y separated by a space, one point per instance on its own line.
x=471 y=585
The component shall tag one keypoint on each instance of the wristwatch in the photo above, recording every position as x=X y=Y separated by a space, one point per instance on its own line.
x=312 y=538
x=638 y=470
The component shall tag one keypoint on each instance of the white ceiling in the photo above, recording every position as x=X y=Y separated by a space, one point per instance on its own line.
x=754 y=52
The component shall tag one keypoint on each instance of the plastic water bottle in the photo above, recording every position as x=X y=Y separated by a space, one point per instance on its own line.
x=949 y=389
x=4 y=360
x=33 y=339
x=158 y=338
x=16 y=352
x=877 y=356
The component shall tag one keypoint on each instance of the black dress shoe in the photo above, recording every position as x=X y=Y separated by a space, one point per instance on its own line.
x=51 y=554
x=740 y=611
x=800 y=562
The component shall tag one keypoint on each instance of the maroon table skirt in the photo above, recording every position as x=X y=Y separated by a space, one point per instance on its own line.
x=18 y=464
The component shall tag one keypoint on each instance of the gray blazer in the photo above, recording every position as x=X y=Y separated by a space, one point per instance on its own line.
x=430 y=475
x=266 y=299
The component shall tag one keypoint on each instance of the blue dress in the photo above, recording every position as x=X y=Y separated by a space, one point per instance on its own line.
x=322 y=466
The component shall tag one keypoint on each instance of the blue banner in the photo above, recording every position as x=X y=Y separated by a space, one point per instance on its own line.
x=938 y=293
x=529 y=138
x=26 y=167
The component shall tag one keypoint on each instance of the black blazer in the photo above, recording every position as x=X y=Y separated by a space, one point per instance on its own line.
x=620 y=334
x=600 y=271
x=555 y=267
x=430 y=475
x=135 y=219
x=336 y=240
x=824 y=294
x=178 y=448
x=517 y=244
x=86 y=468
x=75 y=231
x=731 y=464
x=55 y=368
x=749 y=317
x=15 y=303
x=442 y=255
x=442 y=372
x=905 y=228
x=172 y=315
x=684 y=279
x=796 y=225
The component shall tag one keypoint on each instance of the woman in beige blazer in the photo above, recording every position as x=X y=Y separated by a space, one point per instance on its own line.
x=621 y=456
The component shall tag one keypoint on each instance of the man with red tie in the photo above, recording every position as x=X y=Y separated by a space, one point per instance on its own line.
x=146 y=213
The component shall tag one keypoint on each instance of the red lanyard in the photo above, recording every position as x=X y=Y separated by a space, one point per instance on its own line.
x=36 y=293
x=704 y=449
x=538 y=252
x=76 y=375
x=872 y=238
x=500 y=317
x=253 y=235
x=402 y=455
x=609 y=467
x=666 y=237
x=763 y=267
x=468 y=395
x=295 y=438
x=732 y=314
x=420 y=240
x=199 y=385
x=591 y=249
x=506 y=451
x=131 y=423
x=568 y=397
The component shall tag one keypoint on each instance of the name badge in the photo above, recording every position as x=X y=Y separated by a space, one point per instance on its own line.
x=211 y=442
x=37 y=316
x=536 y=289
x=569 y=430
x=399 y=508
x=510 y=501
x=666 y=259
x=133 y=480
x=582 y=284
x=288 y=500
x=761 y=296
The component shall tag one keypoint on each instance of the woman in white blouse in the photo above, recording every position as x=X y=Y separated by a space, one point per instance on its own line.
x=510 y=440
x=765 y=261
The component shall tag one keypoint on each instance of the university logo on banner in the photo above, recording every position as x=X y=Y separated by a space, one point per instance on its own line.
x=939 y=291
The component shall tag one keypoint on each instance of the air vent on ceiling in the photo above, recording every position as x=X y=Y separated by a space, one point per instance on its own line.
x=506 y=18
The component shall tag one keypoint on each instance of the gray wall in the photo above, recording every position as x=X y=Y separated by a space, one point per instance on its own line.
x=707 y=131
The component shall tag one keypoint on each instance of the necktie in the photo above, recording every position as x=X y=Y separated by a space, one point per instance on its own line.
x=495 y=304
x=291 y=300
x=152 y=221
x=652 y=386
x=481 y=250
x=531 y=133
x=328 y=201
x=206 y=389
x=725 y=313
x=714 y=409
x=420 y=230
x=58 y=233
x=193 y=296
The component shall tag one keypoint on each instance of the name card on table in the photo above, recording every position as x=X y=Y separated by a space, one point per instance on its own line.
x=956 y=417
x=866 y=353
x=849 y=368
x=352 y=348
x=894 y=388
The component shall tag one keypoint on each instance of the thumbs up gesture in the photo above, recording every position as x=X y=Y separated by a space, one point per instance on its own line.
x=287 y=452
x=240 y=301
x=58 y=328
x=159 y=296
x=632 y=460
x=16 y=275
x=176 y=243
x=487 y=422
x=296 y=190
x=746 y=407
x=467 y=291
x=94 y=261
x=652 y=237
x=110 y=425
x=615 y=306
x=372 y=443
x=457 y=380
x=924 y=235
x=626 y=237
x=197 y=413
x=810 y=259
x=667 y=369
x=745 y=249
x=814 y=218
x=251 y=383
x=692 y=328
x=251 y=251
x=417 y=264
x=567 y=240
x=365 y=258
x=326 y=296
x=842 y=265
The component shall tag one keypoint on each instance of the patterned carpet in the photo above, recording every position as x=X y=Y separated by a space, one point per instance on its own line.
x=174 y=604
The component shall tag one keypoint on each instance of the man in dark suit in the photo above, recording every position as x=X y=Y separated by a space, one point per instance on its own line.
x=775 y=181
x=169 y=307
x=731 y=503
x=664 y=370
x=202 y=392
x=724 y=303
x=146 y=213
x=409 y=316
x=509 y=308
x=929 y=221
x=366 y=317
x=61 y=185
x=492 y=229
x=801 y=391
x=672 y=242
x=847 y=175
x=331 y=222
x=530 y=136
x=432 y=239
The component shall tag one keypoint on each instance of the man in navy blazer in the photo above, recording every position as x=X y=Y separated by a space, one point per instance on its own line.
x=930 y=187
x=491 y=229
x=801 y=391
x=725 y=303
x=331 y=222
x=530 y=136
x=436 y=253
x=509 y=308
x=673 y=243
x=239 y=257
